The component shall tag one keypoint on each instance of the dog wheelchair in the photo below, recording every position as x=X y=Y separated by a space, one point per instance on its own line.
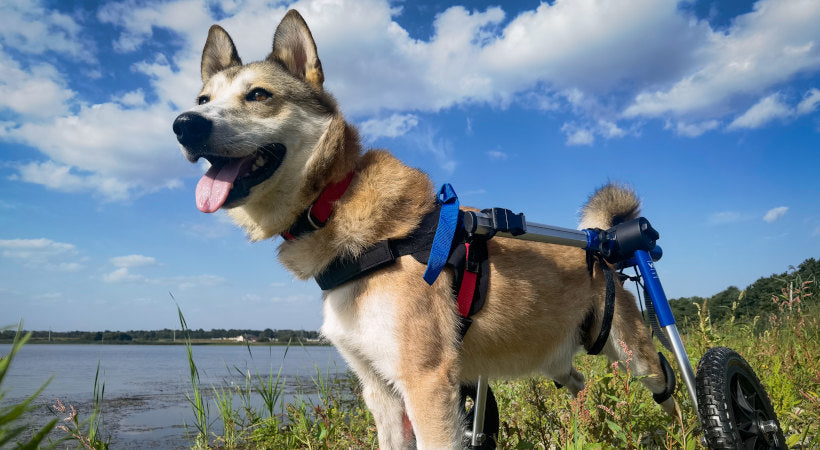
x=733 y=407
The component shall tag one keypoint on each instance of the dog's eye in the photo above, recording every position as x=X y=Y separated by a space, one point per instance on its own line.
x=258 y=95
x=203 y=100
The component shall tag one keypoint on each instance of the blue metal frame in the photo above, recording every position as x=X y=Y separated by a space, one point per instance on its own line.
x=486 y=223
x=653 y=285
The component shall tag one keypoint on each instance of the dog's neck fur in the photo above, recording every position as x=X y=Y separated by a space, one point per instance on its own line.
x=386 y=199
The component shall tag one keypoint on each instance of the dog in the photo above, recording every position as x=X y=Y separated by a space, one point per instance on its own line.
x=277 y=141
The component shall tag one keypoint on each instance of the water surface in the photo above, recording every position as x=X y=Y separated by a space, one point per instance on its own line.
x=147 y=386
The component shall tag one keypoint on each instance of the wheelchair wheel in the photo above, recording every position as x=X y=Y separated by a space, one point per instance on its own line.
x=734 y=408
x=491 y=422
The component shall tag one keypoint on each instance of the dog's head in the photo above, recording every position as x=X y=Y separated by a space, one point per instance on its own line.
x=267 y=129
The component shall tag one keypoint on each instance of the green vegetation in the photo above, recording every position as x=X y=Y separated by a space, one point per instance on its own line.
x=756 y=300
x=12 y=425
x=773 y=324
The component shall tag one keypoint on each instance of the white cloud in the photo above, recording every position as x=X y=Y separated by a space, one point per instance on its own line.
x=610 y=130
x=440 y=148
x=39 y=92
x=30 y=28
x=607 y=62
x=775 y=213
x=775 y=42
x=763 y=112
x=577 y=135
x=34 y=249
x=694 y=129
x=123 y=275
x=394 y=126
x=105 y=148
x=809 y=102
x=41 y=253
x=496 y=155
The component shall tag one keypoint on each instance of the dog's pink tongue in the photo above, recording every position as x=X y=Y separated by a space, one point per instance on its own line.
x=213 y=188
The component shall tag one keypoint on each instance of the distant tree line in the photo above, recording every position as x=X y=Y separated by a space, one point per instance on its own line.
x=756 y=299
x=166 y=334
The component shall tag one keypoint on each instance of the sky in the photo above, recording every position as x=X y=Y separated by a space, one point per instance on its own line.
x=710 y=110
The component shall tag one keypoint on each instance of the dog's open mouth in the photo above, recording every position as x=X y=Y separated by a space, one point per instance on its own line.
x=231 y=179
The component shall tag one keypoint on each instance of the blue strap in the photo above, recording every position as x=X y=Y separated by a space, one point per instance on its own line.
x=443 y=240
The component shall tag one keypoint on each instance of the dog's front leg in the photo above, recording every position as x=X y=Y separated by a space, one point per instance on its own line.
x=387 y=408
x=384 y=402
x=431 y=398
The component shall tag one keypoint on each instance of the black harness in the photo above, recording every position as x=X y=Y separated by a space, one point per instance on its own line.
x=418 y=244
x=469 y=259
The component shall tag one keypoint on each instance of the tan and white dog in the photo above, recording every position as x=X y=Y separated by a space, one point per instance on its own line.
x=275 y=140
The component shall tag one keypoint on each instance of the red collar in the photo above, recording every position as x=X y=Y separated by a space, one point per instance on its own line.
x=317 y=214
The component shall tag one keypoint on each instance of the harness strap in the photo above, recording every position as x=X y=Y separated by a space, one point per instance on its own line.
x=468 y=284
x=317 y=214
x=669 y=374
x=381 y=254
x=609 y=309
x=443 y=240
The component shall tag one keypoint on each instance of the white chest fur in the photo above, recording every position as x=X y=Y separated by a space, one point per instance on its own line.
x=363 y=328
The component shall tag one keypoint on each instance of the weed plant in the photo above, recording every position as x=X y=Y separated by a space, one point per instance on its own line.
x=612 y=411
x=12 y=416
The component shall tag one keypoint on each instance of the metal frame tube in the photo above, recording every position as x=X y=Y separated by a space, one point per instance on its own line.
x=477 y=437
x=551 y=235
x=684 y=365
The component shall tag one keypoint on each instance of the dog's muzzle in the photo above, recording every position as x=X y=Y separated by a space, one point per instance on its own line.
x=193 y=131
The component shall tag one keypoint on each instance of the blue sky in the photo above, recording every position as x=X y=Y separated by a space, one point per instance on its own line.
x=710 y=110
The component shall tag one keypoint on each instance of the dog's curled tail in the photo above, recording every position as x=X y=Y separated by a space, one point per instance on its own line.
x=610 y=205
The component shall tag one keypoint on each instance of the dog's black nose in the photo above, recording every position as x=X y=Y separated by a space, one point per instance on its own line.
x=192 y=129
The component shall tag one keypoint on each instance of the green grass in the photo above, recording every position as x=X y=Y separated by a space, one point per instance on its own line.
x=12 y=423
x=613 y=411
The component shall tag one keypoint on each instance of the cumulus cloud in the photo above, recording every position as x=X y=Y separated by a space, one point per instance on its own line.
x=577 y=135
x=394 y=126
x=39 y=92
x=763 y=112
x=42 y=253
x=606 y=64
x=106 y=148
x=809 y=102
x=773 y=43
x=123 y=275
x=694 y=129
x=29 y=27
x=775 y=213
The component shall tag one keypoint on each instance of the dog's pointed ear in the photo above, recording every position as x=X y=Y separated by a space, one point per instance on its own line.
x=219 y=53
x=294 y=48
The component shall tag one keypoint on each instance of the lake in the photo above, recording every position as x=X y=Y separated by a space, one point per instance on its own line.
x=147 y=386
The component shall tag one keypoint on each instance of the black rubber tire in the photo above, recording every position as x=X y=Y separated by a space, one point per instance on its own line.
x=491 y=421
x=734 y=408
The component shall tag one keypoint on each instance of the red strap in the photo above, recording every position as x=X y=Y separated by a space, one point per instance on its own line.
x=319 y=212
x=323 y=206
x=467 y=290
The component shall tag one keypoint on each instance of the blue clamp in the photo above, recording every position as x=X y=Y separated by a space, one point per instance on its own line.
x=443 y=240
